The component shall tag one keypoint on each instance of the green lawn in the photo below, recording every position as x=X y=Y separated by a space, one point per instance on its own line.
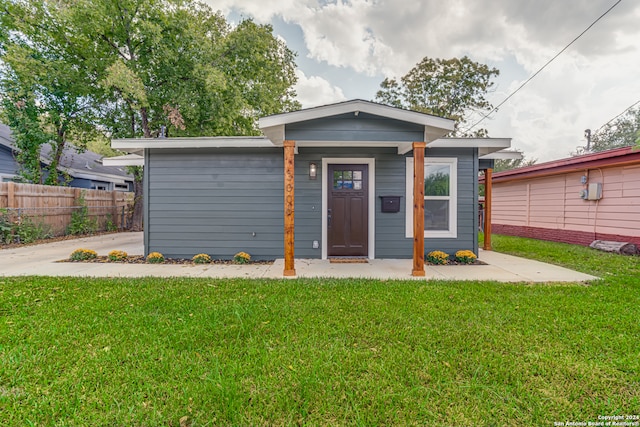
x=116 y=352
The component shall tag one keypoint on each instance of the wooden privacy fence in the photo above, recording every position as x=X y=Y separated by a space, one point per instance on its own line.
x=53 y=207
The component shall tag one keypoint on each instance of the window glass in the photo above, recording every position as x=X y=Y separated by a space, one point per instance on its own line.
x=347 y=180
x=436 y=215
x=436 y=179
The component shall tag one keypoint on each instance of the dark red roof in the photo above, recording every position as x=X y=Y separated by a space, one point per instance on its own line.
x=615 y=157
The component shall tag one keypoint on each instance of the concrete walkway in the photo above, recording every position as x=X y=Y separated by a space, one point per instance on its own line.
x=42 y=260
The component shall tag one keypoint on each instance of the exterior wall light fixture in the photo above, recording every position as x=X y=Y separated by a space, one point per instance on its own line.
x=313 y=171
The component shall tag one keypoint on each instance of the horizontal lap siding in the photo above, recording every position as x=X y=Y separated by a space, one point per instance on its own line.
x=8 y=165
x=348 y=127
x=212 y=201
x=555 y=204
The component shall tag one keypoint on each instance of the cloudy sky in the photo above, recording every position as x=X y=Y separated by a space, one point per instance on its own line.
x=347 y=47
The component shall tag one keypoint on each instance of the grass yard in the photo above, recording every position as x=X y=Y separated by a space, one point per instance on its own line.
x=116 y=352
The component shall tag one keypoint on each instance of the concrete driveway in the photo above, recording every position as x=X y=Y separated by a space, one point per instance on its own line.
x=42 y=260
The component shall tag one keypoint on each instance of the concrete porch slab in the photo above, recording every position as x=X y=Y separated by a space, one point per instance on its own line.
x=42 y=260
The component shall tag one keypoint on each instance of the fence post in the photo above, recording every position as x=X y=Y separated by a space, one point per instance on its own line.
x=11 y=195
x=114 y=199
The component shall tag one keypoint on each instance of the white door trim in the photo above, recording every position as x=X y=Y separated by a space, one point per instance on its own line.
x=371 y=163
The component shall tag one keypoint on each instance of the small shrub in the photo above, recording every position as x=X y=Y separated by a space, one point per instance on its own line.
x=466 y=257
x=81 y=222
x=155 y=258
x=27 y=230
x=201 y=259
x=117 y=256
x=241 y=258
x=437 y=257
x=109 y=224
x=83 y=254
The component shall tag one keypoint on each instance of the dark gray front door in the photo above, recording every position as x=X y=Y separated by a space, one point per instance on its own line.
x=347 y=221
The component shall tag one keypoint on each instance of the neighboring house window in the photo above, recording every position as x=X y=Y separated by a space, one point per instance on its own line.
x=122 y=187
x=440 y=197
x=97 y=186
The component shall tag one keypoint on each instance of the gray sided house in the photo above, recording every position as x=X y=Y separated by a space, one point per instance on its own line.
x=331 y=181
x=85 y=169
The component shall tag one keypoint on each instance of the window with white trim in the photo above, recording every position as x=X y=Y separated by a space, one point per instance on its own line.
x=440 y=197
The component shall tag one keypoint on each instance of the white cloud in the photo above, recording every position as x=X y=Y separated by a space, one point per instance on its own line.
x=313 y=91
x=591 y=82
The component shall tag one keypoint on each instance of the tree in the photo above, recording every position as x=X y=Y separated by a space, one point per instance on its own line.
x=452 y=88
x=147 y=64
x=507 y=164
x=622 y=132
x=44 y=91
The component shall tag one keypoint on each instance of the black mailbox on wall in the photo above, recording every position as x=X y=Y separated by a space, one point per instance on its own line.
x=390 y=203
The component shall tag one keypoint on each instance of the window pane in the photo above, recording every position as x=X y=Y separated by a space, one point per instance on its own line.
x=348 y=175
x=436 y=215
x=436 y=179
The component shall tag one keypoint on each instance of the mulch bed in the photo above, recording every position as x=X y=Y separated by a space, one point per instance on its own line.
x=139 y=259
x=454 y=262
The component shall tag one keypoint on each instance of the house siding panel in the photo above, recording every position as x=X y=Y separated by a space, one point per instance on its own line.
x=212 y=201
x=8 y=165
x=556 y=205
x=233 y=194
x=348 y=127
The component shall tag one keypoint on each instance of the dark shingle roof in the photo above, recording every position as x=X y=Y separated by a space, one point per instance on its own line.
x=74 y=162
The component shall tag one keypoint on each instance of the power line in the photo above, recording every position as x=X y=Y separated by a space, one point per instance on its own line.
x=542 y=68
x=616 y=117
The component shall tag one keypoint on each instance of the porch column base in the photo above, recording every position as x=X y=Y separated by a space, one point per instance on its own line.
x=289 y=273
x=418 y=273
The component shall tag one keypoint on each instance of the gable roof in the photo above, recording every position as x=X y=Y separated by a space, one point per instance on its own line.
x=434 y=126
x=609 y=158
x=84 y=165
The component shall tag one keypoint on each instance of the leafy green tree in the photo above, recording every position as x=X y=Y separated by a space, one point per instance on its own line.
x=44 y=91
x=143 y=65
x=452 y=88
x=507 y=164
x=622 y=132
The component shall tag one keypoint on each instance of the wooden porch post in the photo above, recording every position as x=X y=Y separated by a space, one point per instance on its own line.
x=418 y=208
x=487 y=208
x=289 y=208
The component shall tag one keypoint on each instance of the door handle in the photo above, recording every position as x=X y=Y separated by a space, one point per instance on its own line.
x=328 y=217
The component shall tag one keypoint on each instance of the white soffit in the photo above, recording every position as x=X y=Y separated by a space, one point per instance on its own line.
x=126 y=160
x=485 y=146
x=503 y=155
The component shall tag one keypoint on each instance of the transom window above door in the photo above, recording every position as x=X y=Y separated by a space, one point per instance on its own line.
x=347 y=180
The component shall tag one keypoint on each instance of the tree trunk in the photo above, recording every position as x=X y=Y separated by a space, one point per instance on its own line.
x=138 y=204
x=58 y=149
x=138 y=181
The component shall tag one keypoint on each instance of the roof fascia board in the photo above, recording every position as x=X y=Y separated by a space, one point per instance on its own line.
x=503 y=155
x=127 y=160
x=135 y=144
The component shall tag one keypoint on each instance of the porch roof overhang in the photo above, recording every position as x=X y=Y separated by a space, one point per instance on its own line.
x=434 y=127
x=503 y=155
x=485 y=146
x=125 y=160
x=137 y=145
